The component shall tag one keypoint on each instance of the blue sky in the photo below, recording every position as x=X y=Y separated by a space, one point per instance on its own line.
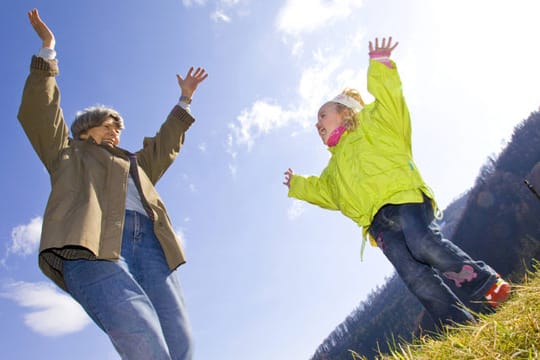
x=267 y=278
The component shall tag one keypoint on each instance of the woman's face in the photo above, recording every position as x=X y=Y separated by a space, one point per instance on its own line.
x=107 y=133
x=328 y=121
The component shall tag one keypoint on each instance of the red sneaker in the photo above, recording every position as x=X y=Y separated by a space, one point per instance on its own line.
x=498 y=293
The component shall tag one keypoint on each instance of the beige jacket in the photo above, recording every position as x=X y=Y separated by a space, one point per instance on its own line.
x=84 y=217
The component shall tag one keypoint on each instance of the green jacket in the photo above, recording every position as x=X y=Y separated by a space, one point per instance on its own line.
x=372 y=165
x=84 y=217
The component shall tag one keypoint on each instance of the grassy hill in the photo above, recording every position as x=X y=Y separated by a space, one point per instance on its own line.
x=513 y=332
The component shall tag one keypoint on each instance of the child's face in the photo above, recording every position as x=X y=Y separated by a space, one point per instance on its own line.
x=328 y=121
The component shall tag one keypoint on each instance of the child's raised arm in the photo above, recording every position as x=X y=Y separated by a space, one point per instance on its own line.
x=385 y=85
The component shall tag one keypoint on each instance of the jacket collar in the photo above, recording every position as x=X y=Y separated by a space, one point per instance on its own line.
x=114 y=150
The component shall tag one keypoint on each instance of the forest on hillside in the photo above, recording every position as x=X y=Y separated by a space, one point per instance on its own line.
x=497 y=221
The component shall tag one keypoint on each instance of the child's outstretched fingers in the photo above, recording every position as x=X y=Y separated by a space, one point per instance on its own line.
x=385 y=46
x=389 y=46
x=288 y=175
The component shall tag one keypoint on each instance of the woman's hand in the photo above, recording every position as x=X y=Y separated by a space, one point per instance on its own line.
x=43 y=31
x=288 y=176
x=189 y=84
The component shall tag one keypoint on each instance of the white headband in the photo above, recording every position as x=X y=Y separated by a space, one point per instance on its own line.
x=348 y=102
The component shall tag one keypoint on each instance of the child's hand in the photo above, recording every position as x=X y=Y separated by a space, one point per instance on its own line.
x=288 y=175
x=384 y=50
x=382 y=53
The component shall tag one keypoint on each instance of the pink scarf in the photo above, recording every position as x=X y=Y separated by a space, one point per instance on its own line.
x=334 y=137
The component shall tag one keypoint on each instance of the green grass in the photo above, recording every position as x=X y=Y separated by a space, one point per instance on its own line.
x=513 y=332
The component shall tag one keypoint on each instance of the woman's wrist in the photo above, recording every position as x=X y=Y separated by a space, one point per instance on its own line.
x=185 y=99
x=48 y=43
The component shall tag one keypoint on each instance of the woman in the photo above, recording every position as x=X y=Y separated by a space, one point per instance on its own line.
x=106 y=238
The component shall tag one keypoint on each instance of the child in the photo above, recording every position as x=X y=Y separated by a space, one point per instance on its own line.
x=372 y=179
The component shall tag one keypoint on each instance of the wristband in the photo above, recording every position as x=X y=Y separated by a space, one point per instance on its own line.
x=382 y=56
x=377 y=54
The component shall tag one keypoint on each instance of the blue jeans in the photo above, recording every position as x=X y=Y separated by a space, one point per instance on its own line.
x=409 y=237
x=136 y=300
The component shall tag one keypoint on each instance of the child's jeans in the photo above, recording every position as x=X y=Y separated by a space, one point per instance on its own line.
x=409 y=237
x=137 y=299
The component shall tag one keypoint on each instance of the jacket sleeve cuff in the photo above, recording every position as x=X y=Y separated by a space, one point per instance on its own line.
x=45 y=65
x=47 y=53
x=182 y=115
x=291 y=193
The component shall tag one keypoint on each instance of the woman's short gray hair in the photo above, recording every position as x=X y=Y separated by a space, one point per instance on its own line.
x=94 y=116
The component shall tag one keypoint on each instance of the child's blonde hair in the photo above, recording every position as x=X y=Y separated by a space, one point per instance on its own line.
x=349 y=114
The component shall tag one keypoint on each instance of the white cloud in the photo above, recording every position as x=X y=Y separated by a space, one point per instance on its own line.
x=219 y=15
x=296 y=209
x=25 y=238
x=265 y=116
x=202 y=147
x=324 y=78
x=261 y=118
x=223 y=8
x=52 y=313
x=188 y=3
x=305 y=16
x=181 y=236
x=230 y=3
x=233 y=169
x=329 y=68
x=298 y=48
